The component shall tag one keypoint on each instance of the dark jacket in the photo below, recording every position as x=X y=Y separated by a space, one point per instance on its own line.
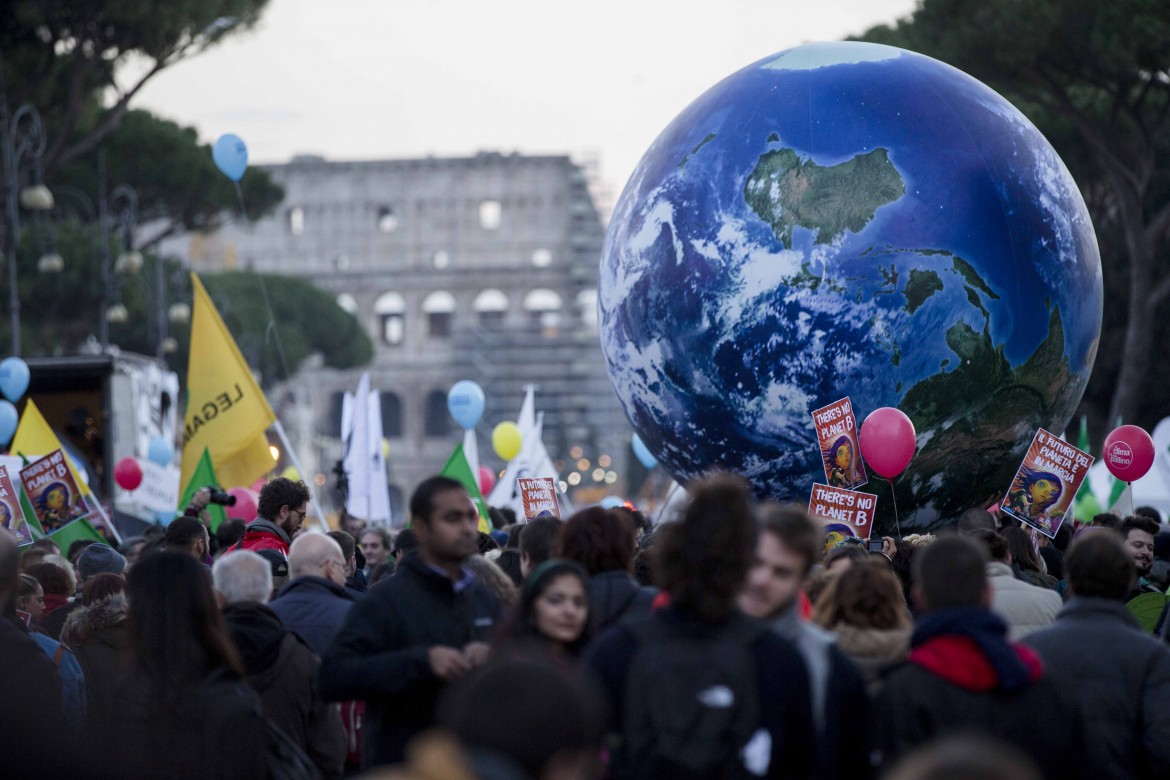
x=953 y=684
x=313 y=608
x=1098 y=649
x=380 y=655
x=100 y=638
x=283 y=670
x=612 y=596
x=54 y=621
x=212 y=728
x=31 y=718
x=783 y=685
x=841 y=707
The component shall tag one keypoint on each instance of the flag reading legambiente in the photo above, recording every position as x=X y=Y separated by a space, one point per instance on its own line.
x=227 y=413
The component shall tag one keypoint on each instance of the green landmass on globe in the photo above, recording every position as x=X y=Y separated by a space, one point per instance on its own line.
x=787 y=191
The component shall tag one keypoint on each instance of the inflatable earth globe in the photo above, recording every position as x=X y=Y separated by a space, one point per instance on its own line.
x=850 y=219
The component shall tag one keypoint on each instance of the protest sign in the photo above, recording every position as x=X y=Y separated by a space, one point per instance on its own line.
x=1046 y=483
x=538 y=494
x=836 y=428
x=11 y=513
x=845 y=513
x=53 y=493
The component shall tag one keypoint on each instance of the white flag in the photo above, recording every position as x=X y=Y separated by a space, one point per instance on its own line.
x=367 y=494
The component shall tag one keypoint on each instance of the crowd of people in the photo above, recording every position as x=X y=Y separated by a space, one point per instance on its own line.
x=723 y=643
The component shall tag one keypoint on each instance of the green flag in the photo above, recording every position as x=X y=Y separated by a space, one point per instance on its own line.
x=1085 y=504
x=72 y=532
x=201 y=477
x=458 y=469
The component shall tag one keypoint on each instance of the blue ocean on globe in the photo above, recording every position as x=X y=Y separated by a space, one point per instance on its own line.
x=850 y=219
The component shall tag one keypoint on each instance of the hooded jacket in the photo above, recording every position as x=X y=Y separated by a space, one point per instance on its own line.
x=100 y=638
x=283 y=670
x=1099 y=648
x=612 y=596
x=263 y=534
x=874 y=651
x=962 y=676
x=313 y=608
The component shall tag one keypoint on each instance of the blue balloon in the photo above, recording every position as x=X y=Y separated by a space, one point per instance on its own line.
x=465 y=402
x=611 y=502
x=8 y=420
x=164 y=518
x=160 y=451
x=644 y=456
x=13 y=378
x=231 y=156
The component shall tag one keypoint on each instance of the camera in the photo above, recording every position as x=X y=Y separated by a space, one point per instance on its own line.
x=874 y=545
x=220 y=497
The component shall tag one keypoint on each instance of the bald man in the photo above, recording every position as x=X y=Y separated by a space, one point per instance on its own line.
x=31 y=720
x=315 y=601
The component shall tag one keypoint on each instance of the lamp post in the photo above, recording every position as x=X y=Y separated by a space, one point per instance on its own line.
x=23 y=134
x=124 y=200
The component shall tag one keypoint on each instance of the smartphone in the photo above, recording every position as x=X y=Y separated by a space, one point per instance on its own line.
x=874 y=545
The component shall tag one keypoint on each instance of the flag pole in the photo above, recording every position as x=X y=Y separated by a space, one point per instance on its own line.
x=292 y=454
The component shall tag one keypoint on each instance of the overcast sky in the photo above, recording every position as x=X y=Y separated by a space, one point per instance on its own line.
x=379 y=79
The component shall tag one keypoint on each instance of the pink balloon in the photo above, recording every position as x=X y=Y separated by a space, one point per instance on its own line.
x=487 y=480
x=245 y=506
x=128 y=474
x=1129 y=453
x=887 y=441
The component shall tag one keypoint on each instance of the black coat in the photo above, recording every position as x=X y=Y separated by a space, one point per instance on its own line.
x=31 y=720
x=784 y=698
x=314 y=609
x=283 y=670
x=916 y=706
x=612 y=596
x=380 y=656
x=212 y=728
x=99 y=636
x=1098 y=649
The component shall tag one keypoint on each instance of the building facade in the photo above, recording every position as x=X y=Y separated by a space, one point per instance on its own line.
x=481 y=268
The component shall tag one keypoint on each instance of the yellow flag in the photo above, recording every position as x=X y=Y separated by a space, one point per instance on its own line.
x=226 y=410
x=34 y=439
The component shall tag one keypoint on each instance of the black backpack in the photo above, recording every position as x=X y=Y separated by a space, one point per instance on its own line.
x=691 y=701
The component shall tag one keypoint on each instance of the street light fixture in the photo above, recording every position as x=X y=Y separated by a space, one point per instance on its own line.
x=23 y=134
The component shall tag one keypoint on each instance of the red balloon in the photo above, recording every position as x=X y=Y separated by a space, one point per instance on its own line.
x=245 y=507
x=128 y=474
x=487 y=480
x=1129 y=453
x=887 y=441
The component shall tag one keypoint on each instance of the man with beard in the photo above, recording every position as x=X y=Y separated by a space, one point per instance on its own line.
x=788 y=545
x=417 y=631
x=1138 y=533
x=281 y=510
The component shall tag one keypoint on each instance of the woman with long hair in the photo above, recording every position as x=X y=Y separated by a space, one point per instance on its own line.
x=552 y=617
x=183 y=711
x=602 y=542
x=1026 y=562
x=100 y=638
x=864 y=607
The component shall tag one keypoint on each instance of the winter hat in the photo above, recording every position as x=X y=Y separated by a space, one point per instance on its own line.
x=100 y=558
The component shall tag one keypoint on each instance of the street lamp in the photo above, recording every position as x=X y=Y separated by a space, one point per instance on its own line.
x=124 y=200
x=23 y=134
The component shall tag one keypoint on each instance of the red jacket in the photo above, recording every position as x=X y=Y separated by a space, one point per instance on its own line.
x=264 y=534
